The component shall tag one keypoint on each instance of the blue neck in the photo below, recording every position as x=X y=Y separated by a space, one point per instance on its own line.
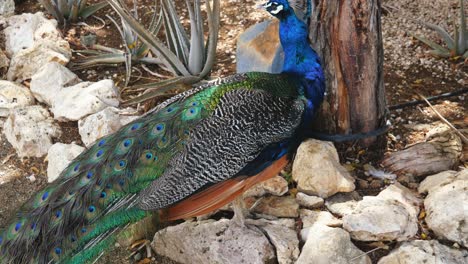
x=301 y=60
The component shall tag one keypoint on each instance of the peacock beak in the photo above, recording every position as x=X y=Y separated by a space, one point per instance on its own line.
x=264 y=6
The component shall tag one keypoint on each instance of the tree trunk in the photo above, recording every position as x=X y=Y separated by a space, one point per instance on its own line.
x=348 y=37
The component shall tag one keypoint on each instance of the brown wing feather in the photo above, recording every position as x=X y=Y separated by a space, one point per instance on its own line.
x=220 y=194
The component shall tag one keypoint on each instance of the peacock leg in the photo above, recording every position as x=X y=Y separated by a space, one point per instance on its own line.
x=240 y=211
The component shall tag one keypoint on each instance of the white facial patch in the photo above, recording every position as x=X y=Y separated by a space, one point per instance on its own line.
x=277 y=10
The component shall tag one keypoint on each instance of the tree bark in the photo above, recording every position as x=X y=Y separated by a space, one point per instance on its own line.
x=348 y=37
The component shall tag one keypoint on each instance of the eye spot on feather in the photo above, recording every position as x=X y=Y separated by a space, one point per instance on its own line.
x=18 y=226
x=89 y=174
x=1 y=240
x=83 y=230
x=73 y=238
x=135 y=126
x=44 y=196
x=58 y=251
x=91 y=209
x=58 y=214
x=101 y=143
x=170 y=109
x=99 y=153
x=103 y=195
x=127 y=143
x=194 y=103
x=122 y=182
x=149 y=155
x=77 y=166
x=121 y=165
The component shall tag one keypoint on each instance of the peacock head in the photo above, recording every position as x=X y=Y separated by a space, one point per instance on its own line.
x=278 y=8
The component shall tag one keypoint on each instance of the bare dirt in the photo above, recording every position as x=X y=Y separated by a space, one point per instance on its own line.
x=408 y=70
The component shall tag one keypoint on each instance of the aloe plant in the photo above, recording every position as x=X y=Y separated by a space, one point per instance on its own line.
x=455 y=46
x=70 y=10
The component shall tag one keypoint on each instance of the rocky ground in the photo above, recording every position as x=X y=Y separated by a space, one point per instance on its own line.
x=328 y=207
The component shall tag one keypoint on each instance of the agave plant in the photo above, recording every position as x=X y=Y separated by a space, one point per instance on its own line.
x=188 y=56
x=70 y=10
x=455 y=46
x=136 y=51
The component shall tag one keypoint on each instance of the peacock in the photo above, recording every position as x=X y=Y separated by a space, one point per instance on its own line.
x=190 y=155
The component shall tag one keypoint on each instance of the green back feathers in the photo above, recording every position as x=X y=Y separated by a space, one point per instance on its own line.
x=77 y=216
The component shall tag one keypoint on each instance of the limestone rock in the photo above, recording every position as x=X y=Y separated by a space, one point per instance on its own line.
x=7 y=7
x=285 y=206
x=59 y=156
x=84 y=99
x=282 y=235
x=437 y=180
x=259 y=49
x=310 y=218
x=317 y=170
x=427 y=252
x=50 y=80
x=213 y=242
x=274 y=186
x=446 y=206
x=330 y=245
x=392 y=215
x=32 y=41
x=26 y=30
x=103 y=123
x=30 y=130
x=13 y=95
x=404 y=195
x=343 y=203
x=309 y=201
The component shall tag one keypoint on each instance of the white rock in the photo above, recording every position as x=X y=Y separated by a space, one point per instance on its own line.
x=343 y=203
x=310 y=218
x=283 y=206
x=274 y=186
x=50 y=80
x=30 y=130
x=26 y=30
x=436 y=181
x=259 y=49
x=31 y=42
x=427 y=252
x=103 y=123
x=309 y=201
x=447 y=206
x=213 y=242
x=376 y=218
x=282 y=235
x=84 y=99
x=26 y=63
x=13 y=95
x=327 y=245
x=404 y=195
x=59 y=156
x=317 y=170
x=7 y=7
